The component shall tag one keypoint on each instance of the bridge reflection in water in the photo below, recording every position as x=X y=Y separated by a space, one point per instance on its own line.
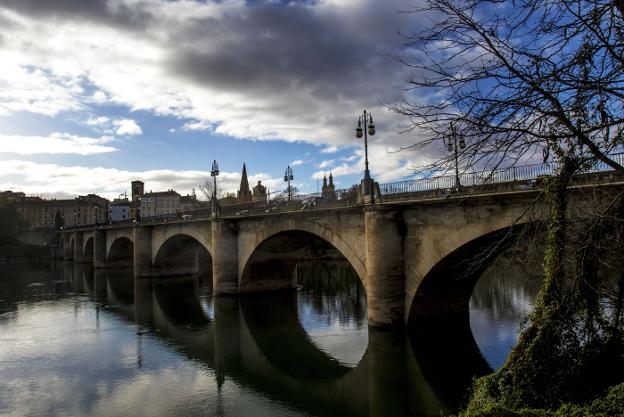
x=310 y=350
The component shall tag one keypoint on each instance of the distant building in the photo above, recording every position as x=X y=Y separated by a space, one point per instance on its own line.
x=189 y=202
x=159 y=203
x=244 y=193
x=99 y=206
x=120 y=209
x=328 y=191
x=12 y=195
x=229 y=198
x=259 y=192
x=137 y=189
x=82 y=211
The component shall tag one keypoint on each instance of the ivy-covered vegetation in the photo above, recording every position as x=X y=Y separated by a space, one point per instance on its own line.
x=519 y=78
x=569 y=360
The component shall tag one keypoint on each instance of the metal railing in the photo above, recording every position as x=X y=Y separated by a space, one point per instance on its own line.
x=525 y=176
x=490 y=177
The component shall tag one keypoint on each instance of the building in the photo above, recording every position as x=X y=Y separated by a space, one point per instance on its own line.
x=137 y=189
x=121 y=209
x=12 y=196
x=159 y=203
x=189 y=202
x=99 y=205
x=244 y=193
x=47 y=214
x=259 y=192
x=329 y=190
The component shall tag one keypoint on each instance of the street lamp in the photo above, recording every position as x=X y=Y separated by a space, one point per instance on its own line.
x=366 y=119
x=214 y=173
x=288 y=177
x=454 y=147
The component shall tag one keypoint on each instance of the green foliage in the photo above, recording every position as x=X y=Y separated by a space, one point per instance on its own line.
x=573 y=349
x=609 y=405
x=10 y=222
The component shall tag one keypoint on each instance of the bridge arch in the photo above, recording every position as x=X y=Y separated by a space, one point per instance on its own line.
x=120 y=252
x=199 y=232
x=270 y=237
x=447 y=286
x=182 y=254
x=88 y=250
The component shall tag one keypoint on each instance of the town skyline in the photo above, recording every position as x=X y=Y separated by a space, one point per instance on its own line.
x=95 y=96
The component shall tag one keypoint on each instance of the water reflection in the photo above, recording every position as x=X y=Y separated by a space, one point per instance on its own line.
x=500 y=302
x=74 y=340
x=332 y=309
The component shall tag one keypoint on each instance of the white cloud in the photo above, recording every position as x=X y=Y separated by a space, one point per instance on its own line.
x=153 y=72
x=297 y=162
x=56 y=143
x=52 y=180
x=326 y=163
x=101 y=121
x=99 y=97
x=214 y=74
x=127 y=127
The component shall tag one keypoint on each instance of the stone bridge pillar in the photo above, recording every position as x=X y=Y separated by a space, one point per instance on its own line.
x=142 y=237
x=99 y=249
x=385 y=276
x=224 y=257
x=67 y=253
x=78 y=247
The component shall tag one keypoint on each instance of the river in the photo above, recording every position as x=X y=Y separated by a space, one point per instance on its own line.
x=78 y=341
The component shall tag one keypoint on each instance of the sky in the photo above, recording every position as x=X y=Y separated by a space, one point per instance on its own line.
x=95 y=94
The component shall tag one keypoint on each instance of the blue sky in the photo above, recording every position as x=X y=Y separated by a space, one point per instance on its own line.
x=96 y=94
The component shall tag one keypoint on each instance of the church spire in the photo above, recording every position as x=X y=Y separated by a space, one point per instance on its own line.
x=244 y=193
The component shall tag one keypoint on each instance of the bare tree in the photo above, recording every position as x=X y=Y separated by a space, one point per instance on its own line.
x=519 y=79
x=525 y=79
x=207 y=190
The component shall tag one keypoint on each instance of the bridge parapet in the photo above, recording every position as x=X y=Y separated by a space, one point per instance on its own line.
x=409 y=254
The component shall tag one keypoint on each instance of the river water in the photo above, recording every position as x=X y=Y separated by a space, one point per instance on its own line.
x=74 y=341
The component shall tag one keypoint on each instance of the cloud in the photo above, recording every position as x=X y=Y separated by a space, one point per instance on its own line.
x=248 y=70
x=297 y=162
x=52 y=180
x=257 y=70
x=99 y=97
x=330 y=149
x=326 y=163
x=106 y=125
x=127 y=127
x=56 y=143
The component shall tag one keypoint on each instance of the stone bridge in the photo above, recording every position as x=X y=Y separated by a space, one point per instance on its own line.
x=414 y=258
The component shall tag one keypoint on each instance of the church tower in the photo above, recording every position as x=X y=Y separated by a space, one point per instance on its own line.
x=324 y=189
x=244 y=193
x=331 y=189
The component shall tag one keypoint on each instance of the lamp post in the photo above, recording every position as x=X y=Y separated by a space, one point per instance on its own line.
x=214 y=173
x=366 y=119
x=454 y=147
x=288 y=177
